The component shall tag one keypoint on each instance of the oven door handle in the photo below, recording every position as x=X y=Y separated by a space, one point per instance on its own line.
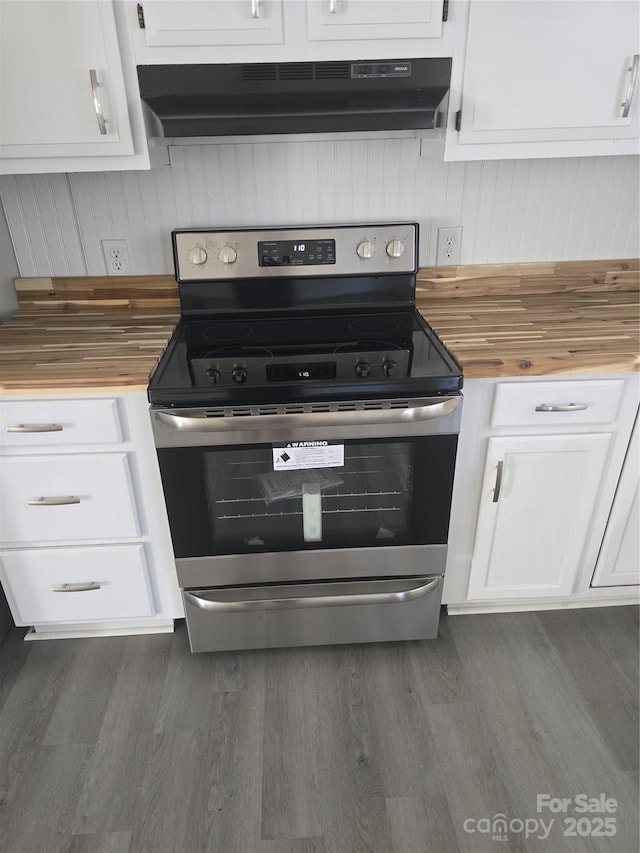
x=198 y=421
x=208 y=601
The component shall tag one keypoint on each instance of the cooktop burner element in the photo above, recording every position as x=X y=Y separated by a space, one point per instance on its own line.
x=373 y=326
x=264 y=321
x=227 y=332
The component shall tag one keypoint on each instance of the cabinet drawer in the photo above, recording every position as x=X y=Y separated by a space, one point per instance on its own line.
x=556 y=403
x=74 y=497
x=101 y=583
x=59 y=423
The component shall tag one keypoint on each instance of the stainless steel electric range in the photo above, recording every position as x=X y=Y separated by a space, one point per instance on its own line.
x=306 y=421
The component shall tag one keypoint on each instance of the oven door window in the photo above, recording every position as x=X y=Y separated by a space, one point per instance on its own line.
x=229 y=500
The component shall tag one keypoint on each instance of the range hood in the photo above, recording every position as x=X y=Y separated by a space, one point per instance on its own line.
x=294 y=97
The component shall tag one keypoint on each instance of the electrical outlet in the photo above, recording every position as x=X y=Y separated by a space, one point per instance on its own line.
x=448 y=249
x=116 y=257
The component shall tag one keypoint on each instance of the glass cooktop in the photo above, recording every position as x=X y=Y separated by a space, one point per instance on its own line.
x=302 y=358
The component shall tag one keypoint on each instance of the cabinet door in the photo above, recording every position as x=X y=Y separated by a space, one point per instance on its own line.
x=539 y=71
x=61 y=86
x=538 y=496
x=212 y=22
x=334 y=20
x=619 y=559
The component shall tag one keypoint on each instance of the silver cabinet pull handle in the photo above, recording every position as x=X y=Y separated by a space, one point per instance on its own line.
x=199 y=422
x=203 y=601
x=498 y=484
x=255 y=8
x=96 y=102
x=61 y=501
x=333 y=7
x=75 y=587
x=568 y=407
x=35 y=428
x=633 y=77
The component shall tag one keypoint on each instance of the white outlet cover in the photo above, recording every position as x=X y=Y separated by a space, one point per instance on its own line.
x=116 y=257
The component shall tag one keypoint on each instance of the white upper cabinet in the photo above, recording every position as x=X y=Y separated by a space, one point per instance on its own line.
x=374 y=19
x=546 y=79
x=229 y=31
x=211 y=22
x=61 y=81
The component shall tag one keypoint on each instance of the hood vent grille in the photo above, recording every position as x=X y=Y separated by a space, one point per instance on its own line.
x=296 y=71
x=259 y=72
x=333 y=71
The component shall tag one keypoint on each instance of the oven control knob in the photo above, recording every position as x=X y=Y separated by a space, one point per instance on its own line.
x=389 y=367
x=395 y=249
x=362 y=369
x=228 y=255
x=198 y=256
x=213 y=374
x=365 y=250
x=239 y=374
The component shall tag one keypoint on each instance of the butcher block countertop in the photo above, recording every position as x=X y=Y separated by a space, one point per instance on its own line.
x=106 y=334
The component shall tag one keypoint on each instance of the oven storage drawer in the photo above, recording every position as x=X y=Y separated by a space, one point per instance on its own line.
x=313 y=614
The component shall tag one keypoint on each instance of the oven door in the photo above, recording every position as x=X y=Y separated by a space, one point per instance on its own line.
x=373 y=503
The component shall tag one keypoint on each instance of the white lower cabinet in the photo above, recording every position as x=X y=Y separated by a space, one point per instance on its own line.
x=541 y=496
x=619 y=559
x=85 y=546
x=537 y=500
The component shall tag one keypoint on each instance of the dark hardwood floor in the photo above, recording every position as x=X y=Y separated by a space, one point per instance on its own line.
x=132 y=744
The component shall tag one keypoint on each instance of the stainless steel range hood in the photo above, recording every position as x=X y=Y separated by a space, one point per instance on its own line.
x=294 y=97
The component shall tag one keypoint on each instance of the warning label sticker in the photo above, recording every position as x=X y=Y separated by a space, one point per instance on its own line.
x=298 y=455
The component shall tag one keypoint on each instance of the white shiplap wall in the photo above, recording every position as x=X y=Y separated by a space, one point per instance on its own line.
x=511 y=210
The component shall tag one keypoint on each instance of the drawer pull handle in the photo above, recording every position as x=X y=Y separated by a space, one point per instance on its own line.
x=75 y=587
x=35 y=428
x=207 y=600
x=61 y=501
x=633 y=77
x=333 y=7
x=255 y=8
x=498 y=484
x=97 y=104
x=569 y=407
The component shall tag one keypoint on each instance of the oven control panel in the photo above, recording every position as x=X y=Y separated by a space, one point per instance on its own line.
x=259 y=367
x=207 y=254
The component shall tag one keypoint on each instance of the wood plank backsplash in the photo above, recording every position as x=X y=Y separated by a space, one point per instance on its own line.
x=511 y=211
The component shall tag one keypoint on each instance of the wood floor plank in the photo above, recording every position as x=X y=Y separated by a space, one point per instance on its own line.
x=190 y=684
x=421 y=824
x=41 y=818
x=14 y=654
x=403 y=739
x=291 y=793
x=226 y=807
x=92 y=676
x=536 y=716
x=351 y=773
x=108 y=842
x=610 y=701
x=110 y=796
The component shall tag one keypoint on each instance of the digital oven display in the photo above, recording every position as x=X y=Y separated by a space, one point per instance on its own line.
x=296 y=253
